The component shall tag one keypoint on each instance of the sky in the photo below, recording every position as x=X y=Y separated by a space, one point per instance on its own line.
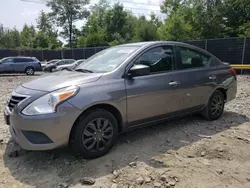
x=15 y=13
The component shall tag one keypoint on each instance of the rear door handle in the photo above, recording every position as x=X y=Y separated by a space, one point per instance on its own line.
x=212 y=77
x=174 y=83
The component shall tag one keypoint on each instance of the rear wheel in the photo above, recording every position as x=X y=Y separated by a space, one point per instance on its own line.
x=30 y=71
x=94 y=134
x=215 y=106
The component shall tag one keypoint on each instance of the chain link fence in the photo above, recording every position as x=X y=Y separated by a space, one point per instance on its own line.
x=231 y=50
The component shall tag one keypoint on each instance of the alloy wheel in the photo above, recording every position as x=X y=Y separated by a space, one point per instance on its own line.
x=30 y=71
x=217 y=105
x=97 y=135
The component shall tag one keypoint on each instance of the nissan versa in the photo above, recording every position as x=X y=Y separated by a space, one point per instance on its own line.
x=118 y=89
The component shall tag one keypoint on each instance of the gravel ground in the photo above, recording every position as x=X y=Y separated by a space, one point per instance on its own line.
x=185 y=153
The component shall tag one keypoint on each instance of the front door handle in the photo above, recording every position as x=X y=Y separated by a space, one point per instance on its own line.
x=213 y=77
x=174 y=83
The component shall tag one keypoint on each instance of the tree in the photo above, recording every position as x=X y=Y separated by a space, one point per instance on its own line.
x=115 y=20
x=44 y=23
x=236 y=17
x=41 y=40
x=65 y=13
x=146 y=30
x=175 y=28
x=92 y=40
x=27 y=36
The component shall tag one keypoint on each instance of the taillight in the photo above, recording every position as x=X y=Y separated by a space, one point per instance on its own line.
x=233 y=72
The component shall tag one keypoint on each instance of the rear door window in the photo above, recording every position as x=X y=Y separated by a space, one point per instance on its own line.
x=190 y=58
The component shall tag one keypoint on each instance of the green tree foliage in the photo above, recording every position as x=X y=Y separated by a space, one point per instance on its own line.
x=27 y=36
x=65 y=13
x=112 y=24
x=146 y=30
x=236 y=17
x=46 y=36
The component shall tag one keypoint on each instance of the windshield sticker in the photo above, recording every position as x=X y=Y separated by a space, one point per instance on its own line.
x=125 y=51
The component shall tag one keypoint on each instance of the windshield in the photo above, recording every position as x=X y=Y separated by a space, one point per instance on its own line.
x=52 y=61
x=107 y=60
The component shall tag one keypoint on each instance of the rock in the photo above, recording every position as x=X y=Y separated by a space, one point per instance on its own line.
x=248 y=179
x=139 y=181
x=128 y=141
x=172 y=183
x=67 y=162
x=63 y=185
x=176 y=179
x=163 y=178
x=220 y=150
x=168 y=186
x=219 y=171
x=157 y=184
x=115 y=173
x=114 y=185
x=190 y=156
x=136 y=157
x=114 y=181
x=1 y=141
x=147 y=179
x=87 y=181
x=243 y=139
x=132 y=164
x=169 y=152
x=203 y=153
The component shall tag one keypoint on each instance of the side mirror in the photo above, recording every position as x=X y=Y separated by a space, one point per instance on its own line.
x=139 y=70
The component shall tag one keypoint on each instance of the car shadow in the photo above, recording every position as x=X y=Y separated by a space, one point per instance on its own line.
x=36 y=168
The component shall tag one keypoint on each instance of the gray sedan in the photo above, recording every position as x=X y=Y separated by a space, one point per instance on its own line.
x=116 y=90
x=69 y=66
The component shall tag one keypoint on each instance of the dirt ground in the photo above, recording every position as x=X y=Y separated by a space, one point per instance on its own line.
x=185 y=153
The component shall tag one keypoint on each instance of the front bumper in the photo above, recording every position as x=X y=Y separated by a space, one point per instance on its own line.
x=42 y=132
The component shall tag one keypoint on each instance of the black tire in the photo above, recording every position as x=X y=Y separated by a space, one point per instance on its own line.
x=80 y=134
x=215 y=106
x=52 y=69
x=30 y=71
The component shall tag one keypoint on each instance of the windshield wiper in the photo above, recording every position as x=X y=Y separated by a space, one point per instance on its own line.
x=84 y=70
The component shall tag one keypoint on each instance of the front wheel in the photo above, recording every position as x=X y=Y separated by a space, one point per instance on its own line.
x=215 y=106
x=30 y=71
x=53 y=69
x=94 y=134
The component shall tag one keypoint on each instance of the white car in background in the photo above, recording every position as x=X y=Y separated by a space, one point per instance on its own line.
x=70 y=66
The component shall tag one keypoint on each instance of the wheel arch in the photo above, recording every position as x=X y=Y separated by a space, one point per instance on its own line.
x=110 y=108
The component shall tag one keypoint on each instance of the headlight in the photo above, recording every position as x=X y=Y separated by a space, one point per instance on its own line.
x=47 y=104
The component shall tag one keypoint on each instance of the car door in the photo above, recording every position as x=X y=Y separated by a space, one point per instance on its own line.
x=195 y=74
x=20 y=64
x=156 y=95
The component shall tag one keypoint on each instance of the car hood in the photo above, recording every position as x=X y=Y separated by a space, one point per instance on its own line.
x=60 y=80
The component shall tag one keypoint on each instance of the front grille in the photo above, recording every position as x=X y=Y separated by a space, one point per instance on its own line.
x=14 y=100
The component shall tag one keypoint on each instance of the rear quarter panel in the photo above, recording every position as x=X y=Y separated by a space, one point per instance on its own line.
x=225 y=80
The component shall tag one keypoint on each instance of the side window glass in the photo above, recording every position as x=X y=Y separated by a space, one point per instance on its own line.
x=19 y=60
x=159 y=59
x=10 y=60
x=193 y=59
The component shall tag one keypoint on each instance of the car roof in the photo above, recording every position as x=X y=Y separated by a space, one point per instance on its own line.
x=150 y=43
x=21 y=57
x=143 y=44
